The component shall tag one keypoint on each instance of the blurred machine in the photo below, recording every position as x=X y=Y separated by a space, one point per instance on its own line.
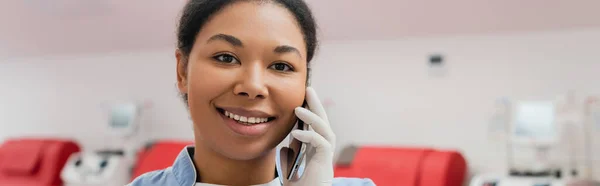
x=533 y=133
x=503 y=180
x=96 y=168
x=544 y=144
x=111 y=166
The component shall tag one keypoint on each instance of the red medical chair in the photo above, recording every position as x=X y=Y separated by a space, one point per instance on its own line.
x=34 y=162
x=403 y=166
x=157 y=156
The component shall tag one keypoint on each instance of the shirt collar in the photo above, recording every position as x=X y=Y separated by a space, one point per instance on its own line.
x=184 y=169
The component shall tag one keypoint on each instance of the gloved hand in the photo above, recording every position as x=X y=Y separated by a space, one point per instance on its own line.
x=321 y=145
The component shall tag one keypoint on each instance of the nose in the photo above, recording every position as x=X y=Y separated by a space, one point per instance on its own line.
x=251 y=83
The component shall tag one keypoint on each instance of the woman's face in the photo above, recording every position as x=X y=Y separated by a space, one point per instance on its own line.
x=246 y=74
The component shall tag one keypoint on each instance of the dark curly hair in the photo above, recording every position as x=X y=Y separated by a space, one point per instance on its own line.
x=197 y=12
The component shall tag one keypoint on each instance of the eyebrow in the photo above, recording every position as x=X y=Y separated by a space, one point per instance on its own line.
x=238 y=43
x=287 y=49
x=228 y=38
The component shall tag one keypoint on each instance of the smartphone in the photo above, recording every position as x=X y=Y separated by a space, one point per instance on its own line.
x=298 y=150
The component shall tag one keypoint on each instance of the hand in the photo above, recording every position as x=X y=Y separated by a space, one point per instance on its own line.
x=321 y=145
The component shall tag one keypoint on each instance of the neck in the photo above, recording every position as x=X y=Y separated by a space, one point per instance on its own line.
x=215 y=168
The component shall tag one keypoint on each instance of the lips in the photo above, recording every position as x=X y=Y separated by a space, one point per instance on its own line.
x=246 y=117
x=246 y=122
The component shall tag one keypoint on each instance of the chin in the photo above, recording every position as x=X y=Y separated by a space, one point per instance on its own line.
x=243 y=149
x=246 y=151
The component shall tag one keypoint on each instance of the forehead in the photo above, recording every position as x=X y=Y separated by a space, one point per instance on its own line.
x=256 y=24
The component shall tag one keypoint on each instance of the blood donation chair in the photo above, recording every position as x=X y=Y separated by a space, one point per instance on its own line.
x=34 y=162
x=158 y=155
x=405 y=166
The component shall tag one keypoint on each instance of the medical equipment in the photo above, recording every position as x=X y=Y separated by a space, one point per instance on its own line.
x=532 y=131
x=95 y=169
x=592 y=138
x=532 y=127
x=591 y=121
x=502 y=180
x=557 y=132
x=124 y=119
x=579 y=132
x=110 y=166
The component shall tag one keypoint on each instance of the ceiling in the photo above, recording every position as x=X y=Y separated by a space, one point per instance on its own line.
x=66 y=27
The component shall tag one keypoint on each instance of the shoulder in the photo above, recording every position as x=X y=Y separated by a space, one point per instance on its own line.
x=159 y=178
x=352 y=182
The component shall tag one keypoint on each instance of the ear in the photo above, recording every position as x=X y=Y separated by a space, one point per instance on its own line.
x=182 y=64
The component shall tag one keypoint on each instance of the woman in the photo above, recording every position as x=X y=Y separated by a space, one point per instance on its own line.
x=242 y=70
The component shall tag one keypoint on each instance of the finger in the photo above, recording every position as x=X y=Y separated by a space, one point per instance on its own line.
x=314 y=104
x=317 y=141
x=318 y=124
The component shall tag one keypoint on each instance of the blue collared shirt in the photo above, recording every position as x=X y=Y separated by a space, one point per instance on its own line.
x=183 y=173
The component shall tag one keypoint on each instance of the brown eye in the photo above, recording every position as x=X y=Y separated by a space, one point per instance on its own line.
x=226 y=58
x=281 y=67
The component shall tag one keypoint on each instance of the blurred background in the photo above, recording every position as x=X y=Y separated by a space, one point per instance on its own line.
x=429 y=74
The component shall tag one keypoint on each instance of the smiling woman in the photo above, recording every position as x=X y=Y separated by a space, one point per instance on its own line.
x=242 y=71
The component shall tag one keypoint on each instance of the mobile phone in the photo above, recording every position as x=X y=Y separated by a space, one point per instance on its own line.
x=298 y=150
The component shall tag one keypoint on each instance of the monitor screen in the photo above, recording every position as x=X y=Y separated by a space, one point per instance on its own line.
x=123 y=116
x=534 y=121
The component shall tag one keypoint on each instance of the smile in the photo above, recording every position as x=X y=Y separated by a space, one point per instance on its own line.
x=246 y=117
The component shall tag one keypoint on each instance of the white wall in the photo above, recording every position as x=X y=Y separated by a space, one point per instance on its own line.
x=384 y=95
x=68 y=96
x=380 y=90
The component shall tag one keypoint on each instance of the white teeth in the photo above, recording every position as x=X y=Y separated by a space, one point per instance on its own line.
x=251 y=120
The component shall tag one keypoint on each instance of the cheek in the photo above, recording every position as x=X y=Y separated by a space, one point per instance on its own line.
x=288 y=95
x=204 y=83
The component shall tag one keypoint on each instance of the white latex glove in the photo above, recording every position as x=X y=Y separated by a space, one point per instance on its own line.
x=321 y=144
